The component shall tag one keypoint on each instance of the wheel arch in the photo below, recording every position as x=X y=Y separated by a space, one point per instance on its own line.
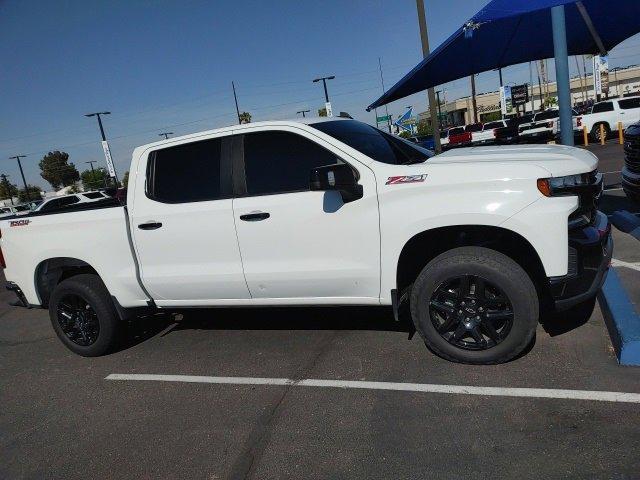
x=426 y=245
x=52 y=271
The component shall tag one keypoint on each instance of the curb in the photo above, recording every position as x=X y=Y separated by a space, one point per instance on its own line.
x=623 y=322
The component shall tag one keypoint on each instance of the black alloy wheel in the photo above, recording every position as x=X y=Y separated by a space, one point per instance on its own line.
x=78 y=320
x=471 y=313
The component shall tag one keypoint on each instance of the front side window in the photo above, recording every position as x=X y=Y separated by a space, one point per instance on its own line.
x=92 y=195
x=280 y=162
x=629 y=103
x=602 y=107
x=548 y=115
x=374 y=143
x=187 y=173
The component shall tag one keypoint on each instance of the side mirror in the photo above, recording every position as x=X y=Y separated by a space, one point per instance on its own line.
x=340 y=177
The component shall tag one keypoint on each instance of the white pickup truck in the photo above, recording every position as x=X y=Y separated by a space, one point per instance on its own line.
x=609 y=113
x=471 y=244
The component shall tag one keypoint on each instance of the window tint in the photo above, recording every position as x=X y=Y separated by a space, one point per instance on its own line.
x=188 y=173
x=492 y=125
x=278 y=162
x=548 y=115
x=92 y=195
x=374 y=143
x=629 y=103
x=59 y=203
x=602 y=107
x=456 y=131
x=476 y=127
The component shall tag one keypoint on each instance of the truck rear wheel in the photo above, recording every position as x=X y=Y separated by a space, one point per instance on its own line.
x=596 y=134
x=83 y=315
x=475 y=305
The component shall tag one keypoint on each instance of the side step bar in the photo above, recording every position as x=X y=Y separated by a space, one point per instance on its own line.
x=21 y=300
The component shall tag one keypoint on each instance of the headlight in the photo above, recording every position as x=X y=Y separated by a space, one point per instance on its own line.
x=559 y=186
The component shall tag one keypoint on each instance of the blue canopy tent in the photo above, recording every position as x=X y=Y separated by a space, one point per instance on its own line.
x=508 y=32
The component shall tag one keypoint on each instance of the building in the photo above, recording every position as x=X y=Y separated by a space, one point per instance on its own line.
x=622 y=82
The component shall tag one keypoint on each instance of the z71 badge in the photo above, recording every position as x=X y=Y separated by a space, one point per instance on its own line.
x=406 y=179
x=19 y=223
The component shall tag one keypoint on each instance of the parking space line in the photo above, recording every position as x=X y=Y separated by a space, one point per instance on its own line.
x=620 y=263
x=592 y=395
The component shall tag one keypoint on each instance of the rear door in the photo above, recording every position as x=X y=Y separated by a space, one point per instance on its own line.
x=298 y=243
x=629 y=110
x=183 y=227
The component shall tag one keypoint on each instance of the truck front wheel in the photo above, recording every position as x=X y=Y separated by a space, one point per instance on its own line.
x=83 y=315
x=474 y=305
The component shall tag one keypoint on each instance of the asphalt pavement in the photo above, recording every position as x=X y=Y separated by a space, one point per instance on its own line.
x=61 y=418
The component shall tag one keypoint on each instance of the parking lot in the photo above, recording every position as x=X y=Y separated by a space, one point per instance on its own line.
x=283 y=393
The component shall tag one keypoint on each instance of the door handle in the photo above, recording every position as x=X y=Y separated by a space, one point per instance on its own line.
x=254 y=216
x=150 y=226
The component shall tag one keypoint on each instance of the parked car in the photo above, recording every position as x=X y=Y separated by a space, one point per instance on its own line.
x=458 y=137
x=631 y=169
x=325 y=212
x=498 y=131
x=609 y=113
x=544 y=126
x=64 y=201
x=12 y=210
x=424 y=141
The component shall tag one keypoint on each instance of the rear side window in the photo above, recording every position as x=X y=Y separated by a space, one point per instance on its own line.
x=629 y=103
x=548 y=115
x=492 y=125
x=602 y=107
x=59 y=203
x=188 y=173
x=92 y=195
x=476 y=127
x=280 y=162
x=456 y=131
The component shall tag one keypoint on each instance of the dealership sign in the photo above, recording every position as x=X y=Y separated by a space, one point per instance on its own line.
x=107 y=156
x=513 y=96
x=601 y=74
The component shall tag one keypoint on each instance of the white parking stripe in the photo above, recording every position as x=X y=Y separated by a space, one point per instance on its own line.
x=620 y=263
x=593 y=395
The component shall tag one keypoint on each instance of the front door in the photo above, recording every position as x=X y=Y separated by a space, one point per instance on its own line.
x=303 y=244
x=183 y=226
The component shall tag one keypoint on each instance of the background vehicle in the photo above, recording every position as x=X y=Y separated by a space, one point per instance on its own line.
x=544 y=126
x=498 y=131
x=608 y=113
x=325 y=212
x=424 y=141
x=458 y=137
x=62 y=202
x=631 y=169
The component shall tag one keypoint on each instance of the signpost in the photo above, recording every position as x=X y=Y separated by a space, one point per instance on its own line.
x=601 y=75
x=383 y=119
x=327 y=107
x=107 y=156
x=511 y=97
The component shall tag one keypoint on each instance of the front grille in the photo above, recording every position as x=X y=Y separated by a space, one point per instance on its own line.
x=632 y=152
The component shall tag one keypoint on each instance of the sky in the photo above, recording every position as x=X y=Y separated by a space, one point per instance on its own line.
x=167 y=66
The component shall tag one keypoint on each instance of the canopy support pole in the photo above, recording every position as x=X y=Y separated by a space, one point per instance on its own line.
x=562 y=74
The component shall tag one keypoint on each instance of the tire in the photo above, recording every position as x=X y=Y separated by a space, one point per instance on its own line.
x=633 y=196
x=595 y=132
x=100 y=336
x=509 y=293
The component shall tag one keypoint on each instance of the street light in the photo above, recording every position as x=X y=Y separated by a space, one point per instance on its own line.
x=303 y=112
x=105 y=145
x=166 y=134
x=26 y=190
x=327 y=104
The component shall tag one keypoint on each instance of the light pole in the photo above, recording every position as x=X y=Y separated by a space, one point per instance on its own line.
x=303 y=112
x=26 y=190
x=439 y=108
x=327 y=104
x=166 y=134
x=105 y=145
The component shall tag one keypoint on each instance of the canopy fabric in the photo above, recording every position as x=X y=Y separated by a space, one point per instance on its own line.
x=508 y=32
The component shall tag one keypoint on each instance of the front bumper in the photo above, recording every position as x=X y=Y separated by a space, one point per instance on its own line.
x=590 y=253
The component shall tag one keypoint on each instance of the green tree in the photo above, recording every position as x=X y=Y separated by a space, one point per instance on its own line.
x=31 y=193
x=424 y=128
x=404 y=134
x=56 y=169
x=7 y=189
x=93 y=179
x=125 y=179
x=322 y=112
x=245 y=117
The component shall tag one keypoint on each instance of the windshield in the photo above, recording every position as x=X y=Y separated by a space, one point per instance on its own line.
x=374 y=143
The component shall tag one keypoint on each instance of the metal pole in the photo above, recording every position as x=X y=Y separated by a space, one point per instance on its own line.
x=439 y=108
x=531 y=84
x=235 y=97
x=91 y=163
x=540 y=88
x=562 y=74
x=386 y=109
x=473 y=98
x=500 y=74
x=104 y=139
x=326 y=95
x=424 y=38
x=26 y=190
